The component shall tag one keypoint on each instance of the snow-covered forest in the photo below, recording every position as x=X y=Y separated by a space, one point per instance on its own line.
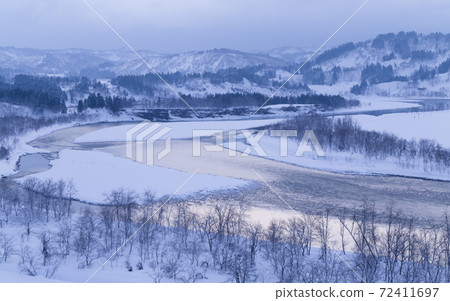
x=44 y=233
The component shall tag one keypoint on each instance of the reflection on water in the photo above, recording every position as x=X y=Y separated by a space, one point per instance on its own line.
x=33 y=163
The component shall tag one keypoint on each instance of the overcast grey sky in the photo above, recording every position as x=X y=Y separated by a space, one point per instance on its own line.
x=184 y=25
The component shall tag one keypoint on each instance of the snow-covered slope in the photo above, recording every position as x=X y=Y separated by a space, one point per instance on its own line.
x=401 y=50
x=70 y=61
x=118 y=62
x=416 y=61
x=198 y=62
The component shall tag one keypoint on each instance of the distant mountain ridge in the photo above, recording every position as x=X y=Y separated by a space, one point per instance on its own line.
x=98 y=63
x=399 y=64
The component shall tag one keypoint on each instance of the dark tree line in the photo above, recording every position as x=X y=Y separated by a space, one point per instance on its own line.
x=30 y=96
x=376 y=73
x=313 y=75
x=4 y=152
x=401 y=42
x=335 y=52
x=83 y=85
x=422 y=55
x=96 y=101
x=444 y=66
x=423 y=74
x=230 y=100
x=49 y=85
x=388 y=57
x=406 y=44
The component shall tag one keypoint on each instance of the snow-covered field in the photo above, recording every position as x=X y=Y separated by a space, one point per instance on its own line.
x=421 y=125
x=96 y=173
x=179 y=130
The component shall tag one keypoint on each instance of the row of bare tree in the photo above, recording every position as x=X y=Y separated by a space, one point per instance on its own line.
x=345 y=135
x=185 y=242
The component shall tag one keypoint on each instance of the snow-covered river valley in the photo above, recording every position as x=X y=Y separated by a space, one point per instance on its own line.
x=304 y=189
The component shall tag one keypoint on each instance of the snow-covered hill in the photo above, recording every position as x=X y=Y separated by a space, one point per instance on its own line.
x=400 y=65
x=120 y=62
x=71 y=61
x=198 y=62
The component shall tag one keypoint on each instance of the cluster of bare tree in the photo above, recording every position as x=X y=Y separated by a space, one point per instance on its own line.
x=37 y=203
x=345 y=135
x=183 y=241
x=401 y=249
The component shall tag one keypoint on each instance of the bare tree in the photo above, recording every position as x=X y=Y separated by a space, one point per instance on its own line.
x=254 y=233
x=446 y=243
x=28 y=261
x=363 y=234
x=46 y=246
x=63 y=237
x=241 y=266
x=6 y=246
x=86 y=238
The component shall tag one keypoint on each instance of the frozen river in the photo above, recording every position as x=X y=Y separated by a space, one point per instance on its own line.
x=303 y=189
